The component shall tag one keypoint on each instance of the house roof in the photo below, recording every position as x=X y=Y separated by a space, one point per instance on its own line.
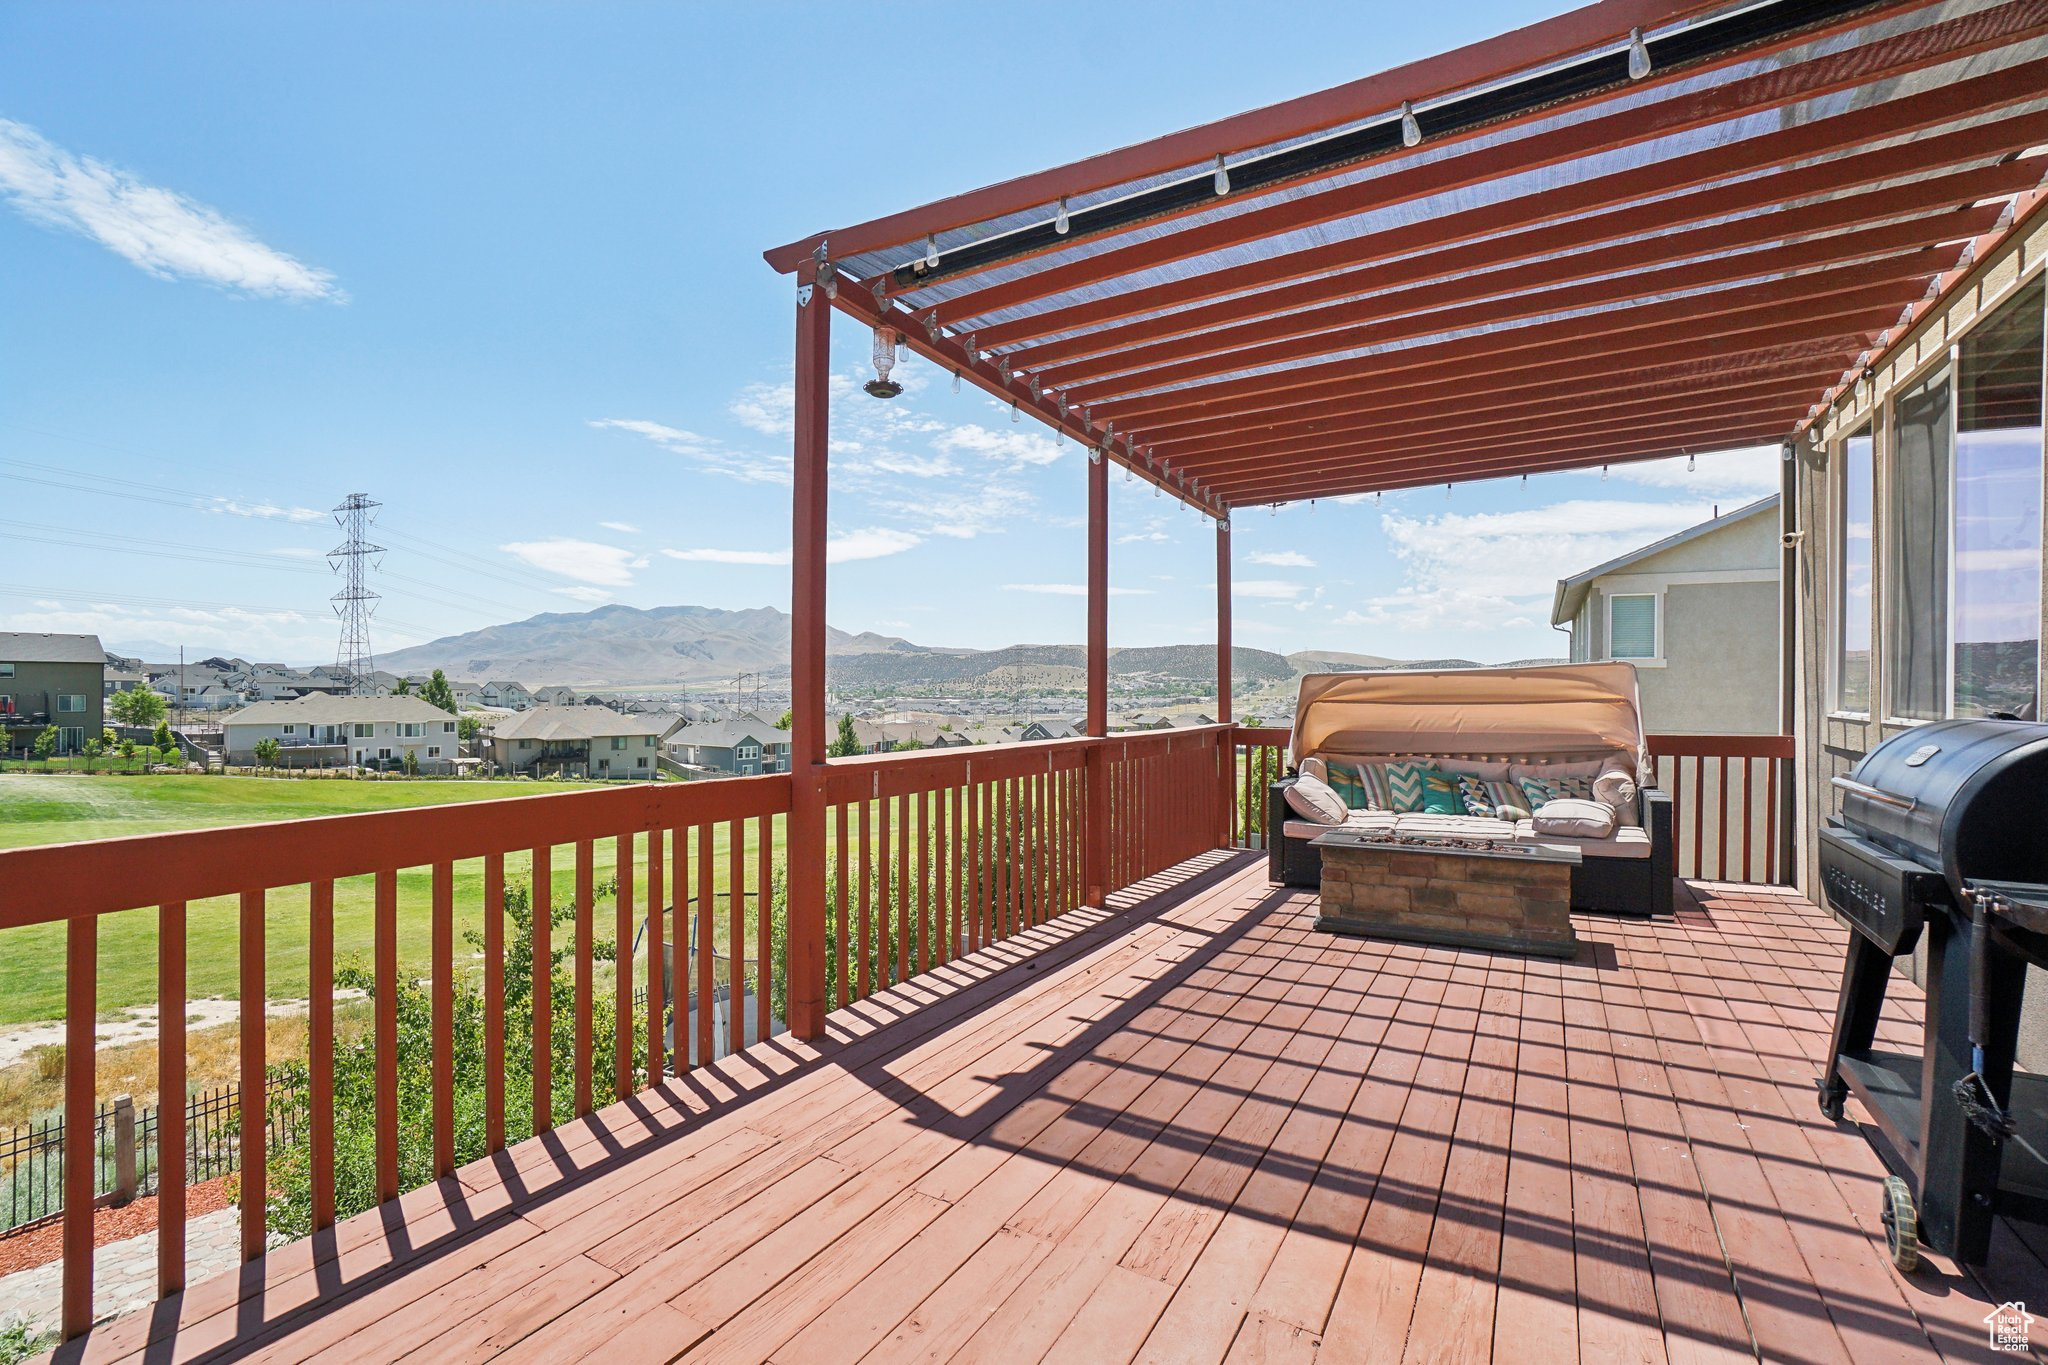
x=724 y=734
x=575 y=722
x=1635 y=230
x=322 y=708
x=1571 y=592
x=25 y=647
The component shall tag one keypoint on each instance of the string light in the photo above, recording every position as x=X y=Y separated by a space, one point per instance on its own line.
x=1060 y=224
x=931 y=251
x=956 y=381
x=1691 y=463
x=1603 y=473
x=1013 y=412
x=1638 y=55
x=1222 y=176
x=1447 y=492
x=1411 y=131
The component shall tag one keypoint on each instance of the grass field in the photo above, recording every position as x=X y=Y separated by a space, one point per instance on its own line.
x=61 y=809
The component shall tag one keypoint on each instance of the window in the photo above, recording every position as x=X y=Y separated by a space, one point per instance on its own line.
x=640 y=762
x=384 y=754
x=433 y=751
x=365 y=731
x=6 y=670
x=750 y=751
x=1632 y=626
x=290 y=730
x=618 y=741
x=413 y=729
x=1852 y=576
x=447 y=728
x=70 y=701
x=1964 y=595
x=524 y=744
x=1996 y=649
x=71 y=739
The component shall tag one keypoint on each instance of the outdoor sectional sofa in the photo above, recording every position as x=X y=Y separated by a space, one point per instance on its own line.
x=1551 y=721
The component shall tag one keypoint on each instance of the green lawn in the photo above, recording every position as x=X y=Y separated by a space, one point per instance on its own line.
x=58 y=809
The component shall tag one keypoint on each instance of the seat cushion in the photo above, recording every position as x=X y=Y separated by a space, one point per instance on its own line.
x=1627 y=841
x=1380 y=821
x=1454 y=826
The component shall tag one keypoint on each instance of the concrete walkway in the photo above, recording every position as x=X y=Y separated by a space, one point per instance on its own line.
x=123 y=1273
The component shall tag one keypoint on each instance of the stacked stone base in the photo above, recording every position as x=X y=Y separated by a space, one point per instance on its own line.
x=1496 y=902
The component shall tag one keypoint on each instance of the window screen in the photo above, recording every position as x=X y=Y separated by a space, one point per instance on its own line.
x=1919 y=526
x=1852 y=578
x=1632 y=627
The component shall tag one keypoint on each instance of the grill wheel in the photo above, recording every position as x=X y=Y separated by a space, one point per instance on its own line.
x=1901 y=1225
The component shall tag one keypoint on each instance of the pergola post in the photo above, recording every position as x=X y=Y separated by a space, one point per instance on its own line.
x=805 y=851
x=1226 y=759
x=1095 y=846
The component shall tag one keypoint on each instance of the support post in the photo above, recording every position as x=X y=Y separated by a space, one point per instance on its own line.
x=1095 y=848
x=805 y=852
x=127 y=1182
x=1226 y=761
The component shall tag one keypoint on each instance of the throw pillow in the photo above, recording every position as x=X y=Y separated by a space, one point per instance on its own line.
x=1509 y=801
x=1575 y=819
x=1349 y=782
x=1404 y=784
x=1312 y=799
x=1441 y=794
x=1315 y=767
x=1545 y=789
x=1478 y=800
x=1616 y=788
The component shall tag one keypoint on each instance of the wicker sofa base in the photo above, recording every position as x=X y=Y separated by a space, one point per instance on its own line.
x=1608 y=886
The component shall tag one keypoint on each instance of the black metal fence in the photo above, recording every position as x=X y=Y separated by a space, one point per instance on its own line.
x=127 y=1151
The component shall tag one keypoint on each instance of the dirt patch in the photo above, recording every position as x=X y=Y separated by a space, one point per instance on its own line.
x=41 y=1245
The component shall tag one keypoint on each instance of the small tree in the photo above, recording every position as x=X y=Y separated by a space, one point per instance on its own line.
x=785 y=720
x=94 y=747
x=905 y=746
x=46 y=743
x=402 y=688
x=437 y=692
x=468 y=727
x=128 y=752
x=140 y=707
x=411 y=763
x=847 y=744
x=167 y=752
x=266 y=752
x=161 y=736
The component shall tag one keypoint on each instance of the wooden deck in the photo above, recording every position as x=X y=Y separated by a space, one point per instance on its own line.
x=1187 y=1129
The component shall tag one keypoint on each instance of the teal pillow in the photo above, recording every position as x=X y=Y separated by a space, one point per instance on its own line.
x=1404 y=784
x=1440 y=794
x=1350 y=783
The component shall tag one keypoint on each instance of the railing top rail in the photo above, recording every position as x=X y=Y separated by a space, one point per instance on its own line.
x=864 y=776
x=53 y=882
x=1720 y=746
x=1264 y=734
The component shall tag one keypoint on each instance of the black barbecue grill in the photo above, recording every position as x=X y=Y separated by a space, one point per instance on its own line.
x=1944 y=832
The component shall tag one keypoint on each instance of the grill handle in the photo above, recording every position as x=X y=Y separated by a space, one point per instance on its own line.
x=1877 y=794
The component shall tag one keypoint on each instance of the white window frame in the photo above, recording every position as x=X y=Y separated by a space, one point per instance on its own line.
x=433 y=751
x=1655 y=658
x=1838 y=495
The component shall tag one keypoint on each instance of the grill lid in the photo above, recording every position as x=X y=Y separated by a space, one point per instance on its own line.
x=1968 y=797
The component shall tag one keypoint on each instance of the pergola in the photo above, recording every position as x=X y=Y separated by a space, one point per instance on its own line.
x=1640 y=229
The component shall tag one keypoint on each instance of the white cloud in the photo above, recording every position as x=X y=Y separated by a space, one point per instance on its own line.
x=1072 y=589
x=585 y=594
x=268 y=511
x=158 y=230
x=894 y=462
x=1281 y=559
x=1271 y=589
x=239 y=630
x=1142 y=537
x=767 y=408
x=877 y=542
x=583 y=560
x=715 y=456
x=1746 y=474
x=1012 y=448
x=624 y=528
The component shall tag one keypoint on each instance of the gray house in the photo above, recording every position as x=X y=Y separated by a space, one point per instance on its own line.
x=1697 y=614
x=323 y=731
x=578 y=741
x=51 y=680
x=741 y=748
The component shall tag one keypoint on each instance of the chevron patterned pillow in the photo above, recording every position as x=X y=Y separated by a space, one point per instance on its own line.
x=1405 y=784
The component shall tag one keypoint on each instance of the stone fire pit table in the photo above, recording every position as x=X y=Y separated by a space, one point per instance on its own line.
x=1465 y=893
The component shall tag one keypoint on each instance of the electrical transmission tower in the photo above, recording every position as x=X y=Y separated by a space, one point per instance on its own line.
x=354 y=603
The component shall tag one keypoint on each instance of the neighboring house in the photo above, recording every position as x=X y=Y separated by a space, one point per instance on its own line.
x=881 y=737
x=509 y=696
x=730 y=746
x=345 y=731
x=1048 y=729
x=554 y=696
x=122 y=680
x=585 y=741
x=48 y=680
x=212 y=697
x=1697 y=614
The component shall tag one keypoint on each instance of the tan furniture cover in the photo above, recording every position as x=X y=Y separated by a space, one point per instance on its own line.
x=1539 y=711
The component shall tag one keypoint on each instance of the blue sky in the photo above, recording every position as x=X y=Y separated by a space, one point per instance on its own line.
x=499 y=266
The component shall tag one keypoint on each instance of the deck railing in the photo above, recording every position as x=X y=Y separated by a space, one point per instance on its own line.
x=1261 y=760
x=440 y=1057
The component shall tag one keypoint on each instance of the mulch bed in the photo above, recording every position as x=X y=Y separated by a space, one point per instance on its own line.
x=45 y=1243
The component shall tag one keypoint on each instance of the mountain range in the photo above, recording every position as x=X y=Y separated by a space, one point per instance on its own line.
x=620 y=646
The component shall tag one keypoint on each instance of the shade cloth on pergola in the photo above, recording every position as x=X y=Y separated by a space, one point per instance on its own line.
x=1555 y=258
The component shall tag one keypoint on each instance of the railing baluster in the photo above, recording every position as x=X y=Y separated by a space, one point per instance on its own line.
x=657 y=996
x=924 y=868
x=704 y=937
x=885 y=907
x=387 y=1033
x=444 y=1019
x=843 y=872
x=81 y=1016
x=1748 y=811
x=1699 y=812
x=541 y=907
x=586 y=857
x=683 y=939
x=903 y=890
x=622 y=967
x=494 y=1002
x=254 y=1048
x=865 y=946
x=1725 y=805
x=736 y=936
x=1771 y=821
x=170 y=1097
x=319 y=1053
x=764 y=932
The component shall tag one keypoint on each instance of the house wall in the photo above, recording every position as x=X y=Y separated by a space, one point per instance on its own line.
x=1829 y=744
x=36 y=687
x=299 y=745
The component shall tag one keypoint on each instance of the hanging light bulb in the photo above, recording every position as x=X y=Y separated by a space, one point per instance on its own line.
x=1603 y=473
x=1411 y=131
x=1013 y=412
x=1447 y=492
x=956 y=381
x=1375 y=498
x=881 y=386
x=1060 y=223
x=1311 y=506
x=1222 y=175
x=1127 y=473
x=1638 y=55
x=1275 y=512
x=1692 y=462
x=931 y=251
